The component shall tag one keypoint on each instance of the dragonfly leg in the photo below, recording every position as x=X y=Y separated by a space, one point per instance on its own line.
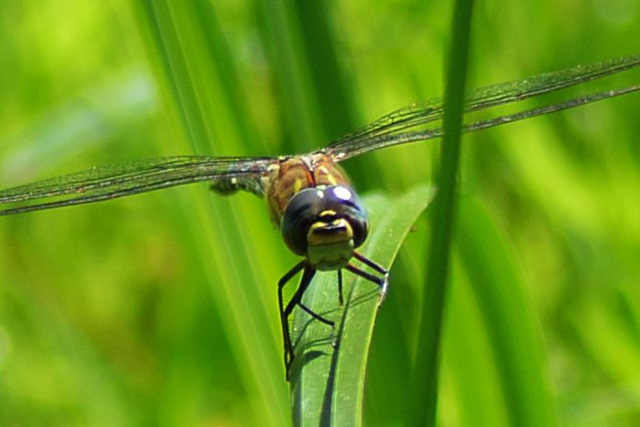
x=321 y=319
x=382 y=282
x=316 y=315
x=374 y=265
x=307 y=275
x=288 y=348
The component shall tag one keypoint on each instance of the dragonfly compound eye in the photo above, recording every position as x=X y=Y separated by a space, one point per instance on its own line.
x=325 y=224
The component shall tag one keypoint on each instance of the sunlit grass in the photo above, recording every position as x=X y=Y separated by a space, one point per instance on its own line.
x=162 y=308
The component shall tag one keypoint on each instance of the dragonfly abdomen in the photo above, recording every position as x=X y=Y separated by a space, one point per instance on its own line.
x=229 y=186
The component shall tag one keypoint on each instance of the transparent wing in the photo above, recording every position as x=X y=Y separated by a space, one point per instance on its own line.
x=110 y=182
x=391 y=129
x=228 y=174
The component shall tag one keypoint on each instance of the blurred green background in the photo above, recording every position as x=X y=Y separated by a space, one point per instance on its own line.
x=161 y=309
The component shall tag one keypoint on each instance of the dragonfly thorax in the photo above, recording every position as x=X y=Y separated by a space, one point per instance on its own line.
x=325 y=224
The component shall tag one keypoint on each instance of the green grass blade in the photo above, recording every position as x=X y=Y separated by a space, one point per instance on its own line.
x=328 y=383
x=300 y=117
x=508 y=320
x=182 y=36
x=425 y=378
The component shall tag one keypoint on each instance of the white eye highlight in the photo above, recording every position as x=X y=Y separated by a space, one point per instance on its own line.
x=342 y=193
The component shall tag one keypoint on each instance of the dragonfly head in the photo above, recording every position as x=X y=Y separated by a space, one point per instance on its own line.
x=325 y=225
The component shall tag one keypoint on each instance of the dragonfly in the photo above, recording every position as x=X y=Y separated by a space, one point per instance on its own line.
x=309 y=197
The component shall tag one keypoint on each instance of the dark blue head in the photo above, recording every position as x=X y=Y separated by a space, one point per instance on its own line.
x=325 y=225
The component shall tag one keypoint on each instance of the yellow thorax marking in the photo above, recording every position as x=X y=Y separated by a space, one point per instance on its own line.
x=329 y=176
